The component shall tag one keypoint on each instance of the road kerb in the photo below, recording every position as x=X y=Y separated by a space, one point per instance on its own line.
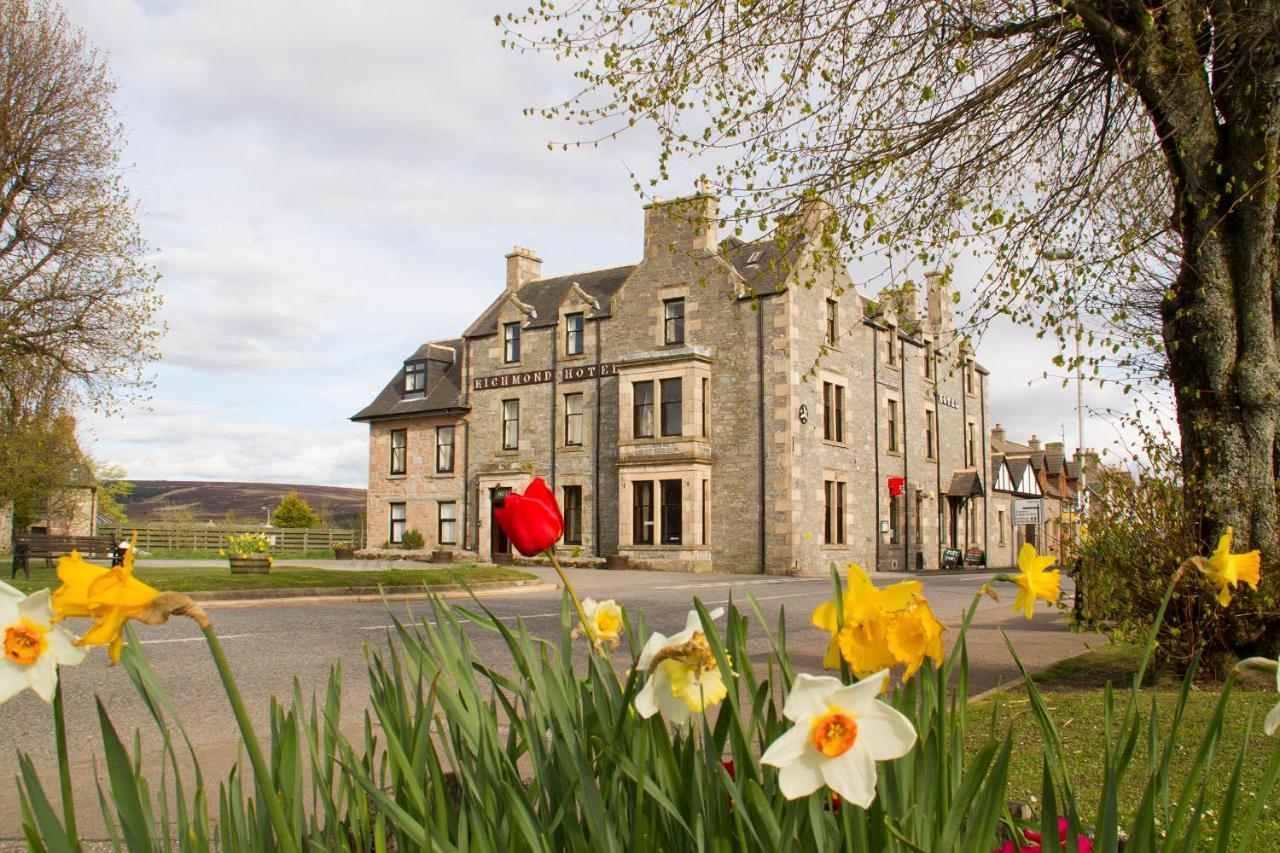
x=321 y=595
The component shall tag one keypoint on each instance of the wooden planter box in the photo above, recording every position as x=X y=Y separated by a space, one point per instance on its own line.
x=250 y=565
x=442 y=557
x=344 y=553
x=617 y=562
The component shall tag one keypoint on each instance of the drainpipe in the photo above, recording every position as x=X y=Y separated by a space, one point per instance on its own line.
x=595 y=464
x=760 y=424
x=937 y=451
x=466 y=481
x=964 y=438
x=555 y=387
x=875 y=409
x=906 y=460
x=984 y=472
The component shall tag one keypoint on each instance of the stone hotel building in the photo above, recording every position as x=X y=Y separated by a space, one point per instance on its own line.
x=717 y=405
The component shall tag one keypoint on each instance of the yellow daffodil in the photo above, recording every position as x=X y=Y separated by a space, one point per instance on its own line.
x=1036 y=580
x=604 y=621
x=683 y=676
x=1225 y=570
x=110 y=596
x=840 y=732
x=34 y=648
x=914 y=635
x=881 y=627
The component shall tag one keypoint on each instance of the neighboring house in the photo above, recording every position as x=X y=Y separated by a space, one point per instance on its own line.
x=72 y=510
x=716 y=405
x=1034 y=496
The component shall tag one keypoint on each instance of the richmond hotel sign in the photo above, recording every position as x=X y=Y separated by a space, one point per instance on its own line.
x=539 y=377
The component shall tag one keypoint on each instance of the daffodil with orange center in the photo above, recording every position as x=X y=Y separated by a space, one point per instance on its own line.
x=110 y=596
x=1036 y=581
x=1226 y=570
x=840 y=732
x=34 y=647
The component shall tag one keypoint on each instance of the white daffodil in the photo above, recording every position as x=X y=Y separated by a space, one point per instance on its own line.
x=1266 y=665
x=604 y=621
x=34 y=647
x=840 y=732
x=683 y=676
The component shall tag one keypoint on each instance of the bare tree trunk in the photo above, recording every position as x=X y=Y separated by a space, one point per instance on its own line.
x=1220 y=331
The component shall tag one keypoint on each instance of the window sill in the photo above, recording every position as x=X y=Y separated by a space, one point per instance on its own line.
x=572 y=448
x=397 y=476
x=841 y=546
x=670 y=546
x=829 y=443
x=577 y=356
x=893 y=452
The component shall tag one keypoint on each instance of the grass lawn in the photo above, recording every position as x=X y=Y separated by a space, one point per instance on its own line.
x=1073 y=691
x=284 y=577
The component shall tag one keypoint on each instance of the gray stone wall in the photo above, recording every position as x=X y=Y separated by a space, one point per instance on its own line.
x=420 y=488
x=728 y=332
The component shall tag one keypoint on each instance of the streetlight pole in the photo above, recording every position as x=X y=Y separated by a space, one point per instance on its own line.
x=1067 y=255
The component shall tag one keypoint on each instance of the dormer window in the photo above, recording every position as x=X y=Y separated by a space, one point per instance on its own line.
x=415 y=377
x=573 y=333
x=511 y=343
x=754 y=258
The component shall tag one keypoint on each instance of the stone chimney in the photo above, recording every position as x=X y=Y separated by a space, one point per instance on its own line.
x=909 y=305
x=1034 y=443
x=685 y=225
x=522 y=266
x=997 y=434
x=938 y=296
x=1055 y=447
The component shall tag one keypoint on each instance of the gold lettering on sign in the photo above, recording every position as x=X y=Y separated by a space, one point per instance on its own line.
x=511 y=380
x=577 y=373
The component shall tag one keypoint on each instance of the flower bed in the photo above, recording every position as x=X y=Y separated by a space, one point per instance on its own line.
x=698 y=743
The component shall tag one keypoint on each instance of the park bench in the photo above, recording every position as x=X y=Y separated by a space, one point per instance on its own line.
x=28 y=545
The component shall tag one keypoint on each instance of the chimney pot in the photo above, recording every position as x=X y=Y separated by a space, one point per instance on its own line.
x=1034 y=443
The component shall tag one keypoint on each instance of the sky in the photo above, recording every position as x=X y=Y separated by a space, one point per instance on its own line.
x=325 y=184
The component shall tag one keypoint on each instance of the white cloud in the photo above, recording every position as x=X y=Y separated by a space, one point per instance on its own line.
x=327 y=185
x=179 y=441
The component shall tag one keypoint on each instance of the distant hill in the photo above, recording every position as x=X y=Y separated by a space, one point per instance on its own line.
x=241 y=503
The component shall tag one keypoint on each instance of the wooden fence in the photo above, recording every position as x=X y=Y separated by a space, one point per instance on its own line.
x=201 y=537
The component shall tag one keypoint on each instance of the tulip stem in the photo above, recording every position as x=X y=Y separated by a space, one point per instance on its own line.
x=284 y=835
x=577 y=602
x=64 y=765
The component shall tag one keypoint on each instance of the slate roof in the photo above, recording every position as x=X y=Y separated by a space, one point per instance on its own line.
x=965 y=484
x=444 y=389
x=1017 y=467
x=544 y=296
x=762 y=263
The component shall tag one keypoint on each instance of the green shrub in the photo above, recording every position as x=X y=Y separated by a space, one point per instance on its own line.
x=1139 y=532
x=412 y=540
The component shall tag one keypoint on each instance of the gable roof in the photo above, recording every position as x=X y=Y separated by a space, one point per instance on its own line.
x=964 y=484
x=545 y=295
x=444 y=387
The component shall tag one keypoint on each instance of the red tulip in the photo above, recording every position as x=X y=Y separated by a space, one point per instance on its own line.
x=1083 y=843
x=532 y=521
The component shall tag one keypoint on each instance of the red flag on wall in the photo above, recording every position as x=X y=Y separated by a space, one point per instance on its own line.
x=896 y=484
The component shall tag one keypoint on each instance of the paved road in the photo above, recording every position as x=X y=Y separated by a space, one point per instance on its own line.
x=271 y=645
